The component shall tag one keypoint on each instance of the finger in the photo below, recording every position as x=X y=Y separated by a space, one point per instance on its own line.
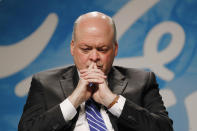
x=99 y=74
x=93 y=74
x=89 y=76
x=82 y=82
x=91 y=65
x=95 y=66
x=90 y=70
x=96 y=81
x=83 y=70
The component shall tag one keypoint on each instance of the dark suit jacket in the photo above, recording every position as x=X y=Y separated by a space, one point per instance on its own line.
x=143 y=109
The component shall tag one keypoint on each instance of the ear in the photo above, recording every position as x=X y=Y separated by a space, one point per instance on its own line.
x=72 y=47
x=116 y=48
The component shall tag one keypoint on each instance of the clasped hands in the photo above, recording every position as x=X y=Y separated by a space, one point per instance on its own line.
x=100 y=91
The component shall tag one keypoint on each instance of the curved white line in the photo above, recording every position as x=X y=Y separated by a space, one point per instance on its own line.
x=22 y=88
x=191 y=106
x=168 y=97
x=17 y=56
x=154 y=59
x=130 y=13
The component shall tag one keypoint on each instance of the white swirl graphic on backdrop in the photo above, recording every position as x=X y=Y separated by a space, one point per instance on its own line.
x=130 y=13
x=42 y=37
x=190 y=103
x=17 y=56
x=152 y=58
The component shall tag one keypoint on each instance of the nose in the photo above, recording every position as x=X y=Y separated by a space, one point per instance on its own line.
x=94 y=56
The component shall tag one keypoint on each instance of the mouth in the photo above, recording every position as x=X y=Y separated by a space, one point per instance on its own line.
x=100 y=67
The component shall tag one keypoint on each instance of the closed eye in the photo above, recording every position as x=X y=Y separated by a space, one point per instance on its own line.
x=86 y=49
x=104 y=49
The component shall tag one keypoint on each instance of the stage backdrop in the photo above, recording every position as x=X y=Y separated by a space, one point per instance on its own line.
x=157 y=35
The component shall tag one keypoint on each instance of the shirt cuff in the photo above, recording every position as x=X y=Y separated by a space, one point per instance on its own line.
x=117 y=108
x=68 y=110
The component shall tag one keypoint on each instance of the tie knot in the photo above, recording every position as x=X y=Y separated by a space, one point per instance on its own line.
x=90 y=102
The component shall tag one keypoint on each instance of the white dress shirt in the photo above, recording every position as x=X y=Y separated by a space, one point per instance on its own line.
x=69 y=111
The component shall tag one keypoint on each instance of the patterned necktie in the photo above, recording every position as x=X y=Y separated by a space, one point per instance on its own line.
x=94 y=117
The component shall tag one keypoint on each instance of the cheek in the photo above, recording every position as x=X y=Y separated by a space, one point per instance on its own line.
x=81 y=59
x=107 y=59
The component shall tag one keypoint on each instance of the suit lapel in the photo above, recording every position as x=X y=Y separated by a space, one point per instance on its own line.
x=117 y=81
x=69 y=81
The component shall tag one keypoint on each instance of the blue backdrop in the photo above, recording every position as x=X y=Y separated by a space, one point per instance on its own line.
x=158 y=35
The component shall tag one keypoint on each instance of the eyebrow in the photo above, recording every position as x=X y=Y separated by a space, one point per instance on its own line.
x=100 y=45
x=84 y=45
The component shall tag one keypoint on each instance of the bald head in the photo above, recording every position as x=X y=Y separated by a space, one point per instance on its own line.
x=93 y=21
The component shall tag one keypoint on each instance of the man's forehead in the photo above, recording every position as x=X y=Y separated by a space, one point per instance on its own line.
x=93 y=15
x=85 y=44
x=94 y=24
x=91 y=20
x=94 y=32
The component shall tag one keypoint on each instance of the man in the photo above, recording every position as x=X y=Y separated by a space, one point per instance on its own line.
x=127 y=99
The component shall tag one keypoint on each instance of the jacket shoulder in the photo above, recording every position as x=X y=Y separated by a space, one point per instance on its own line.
x=131 y=71
x=54 y=73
